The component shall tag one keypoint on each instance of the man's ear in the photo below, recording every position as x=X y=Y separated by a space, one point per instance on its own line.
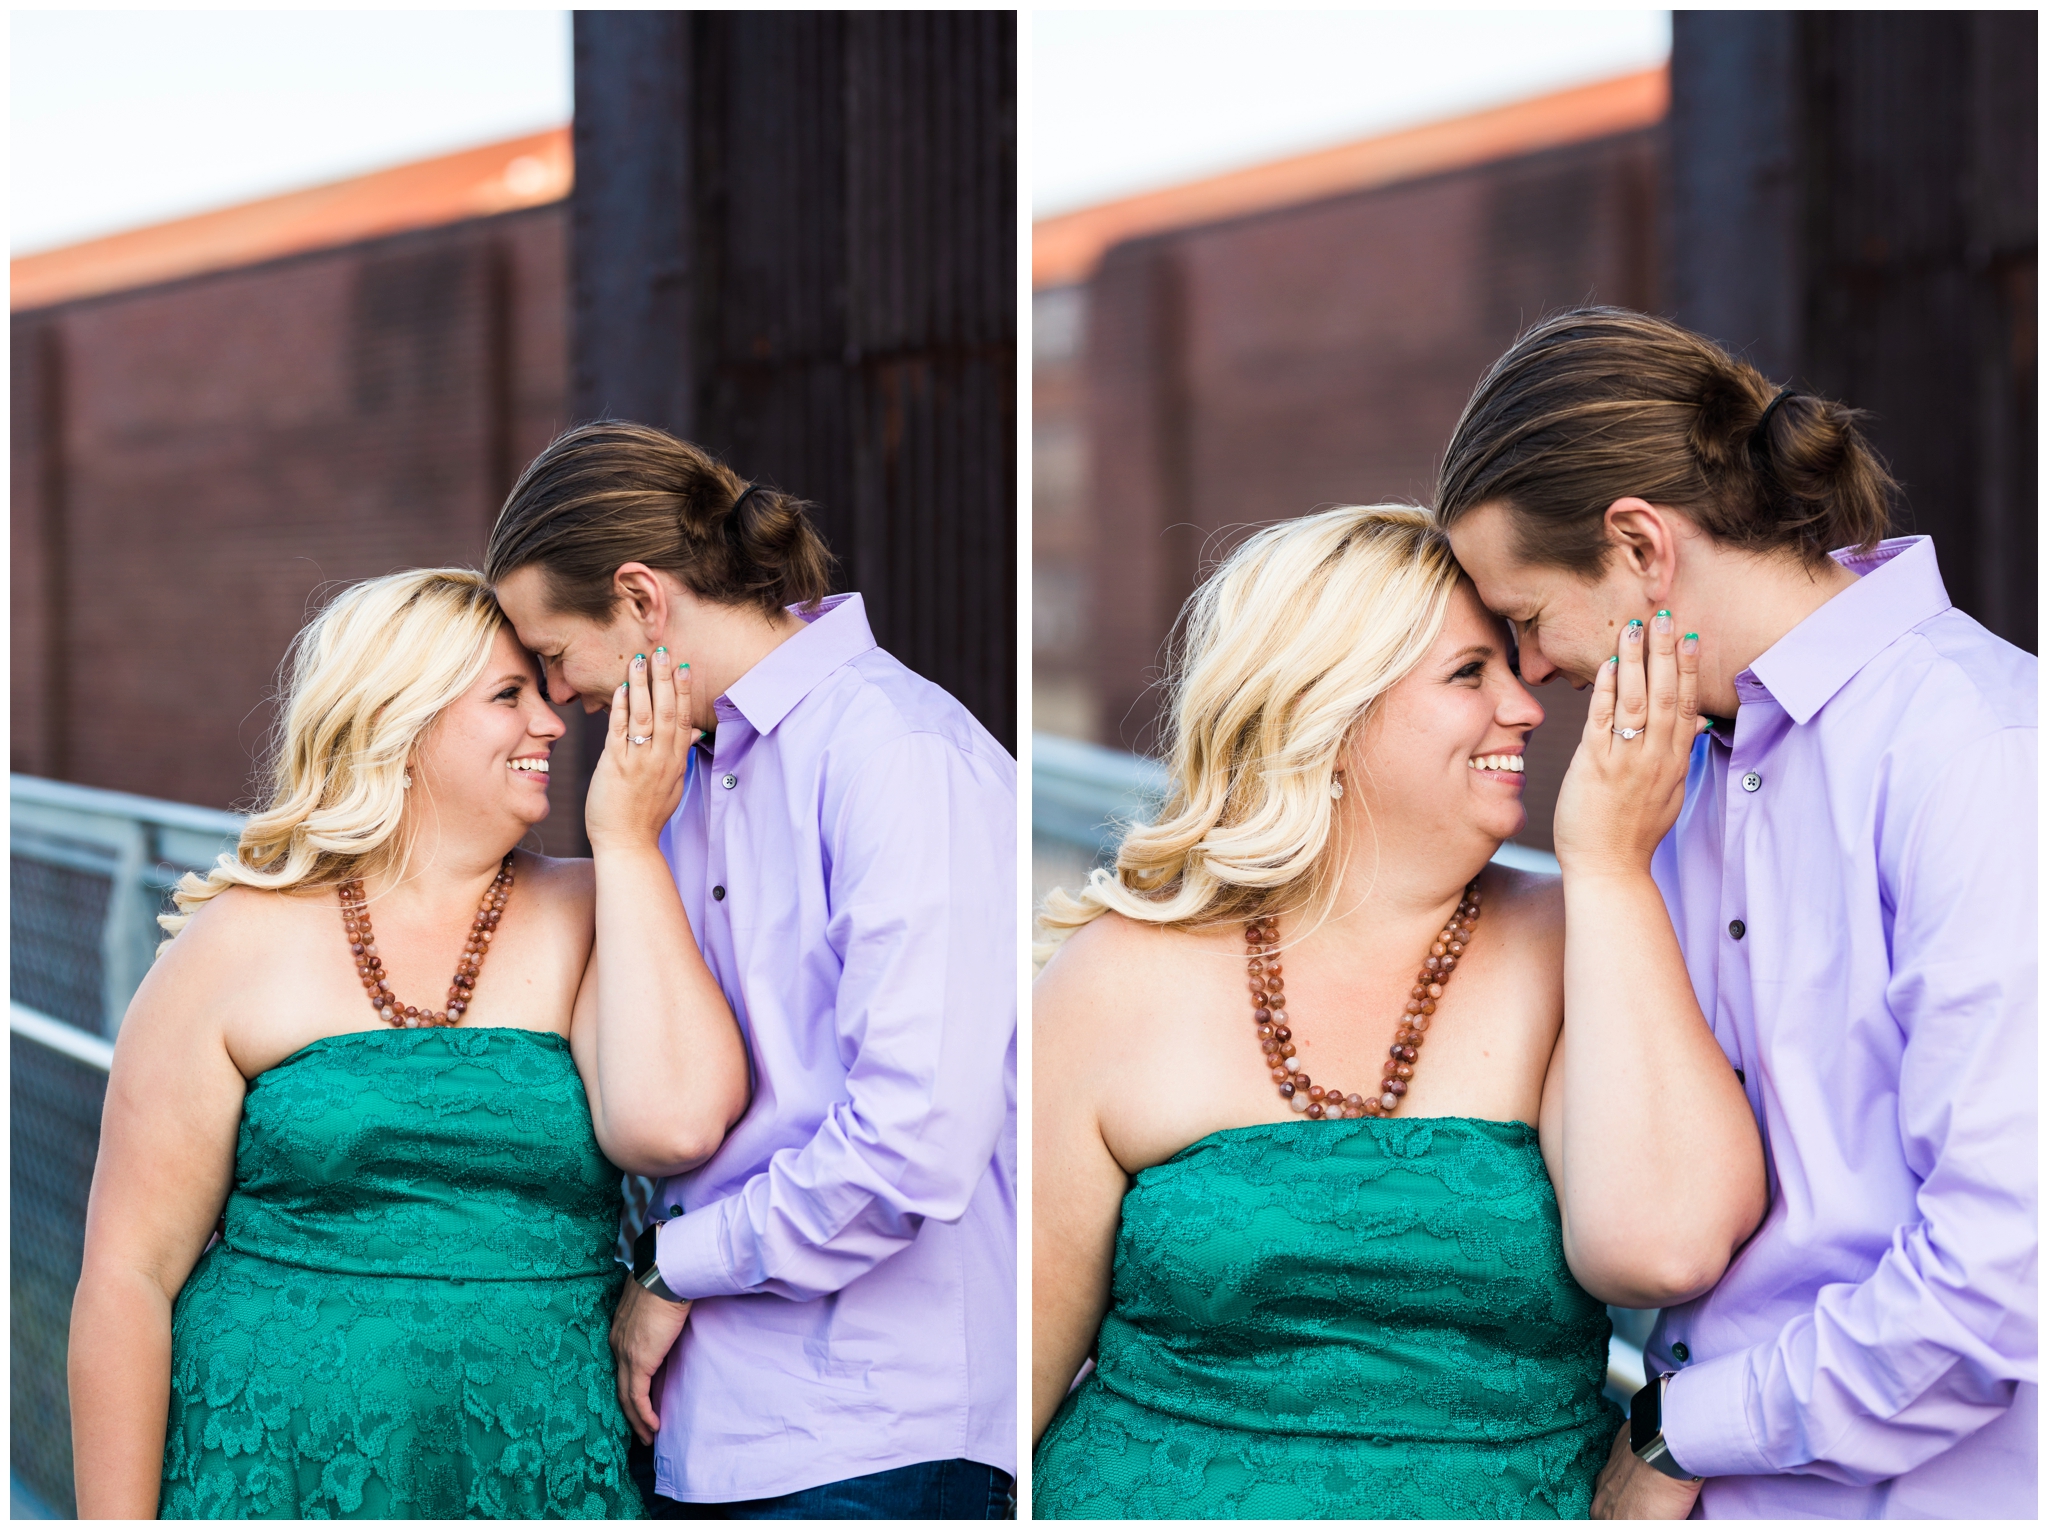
x=1644 y=538
x=643 y=598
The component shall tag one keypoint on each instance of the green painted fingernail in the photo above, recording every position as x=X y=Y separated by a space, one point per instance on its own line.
x=1692 y=637
x=686 y=664
x=1633 y=623
x=1663 y=613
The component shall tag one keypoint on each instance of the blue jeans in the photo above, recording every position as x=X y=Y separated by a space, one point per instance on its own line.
x=929 y=1490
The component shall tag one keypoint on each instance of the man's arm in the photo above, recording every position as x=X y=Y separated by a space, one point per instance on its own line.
x=923 y=913
x=1887 y=1373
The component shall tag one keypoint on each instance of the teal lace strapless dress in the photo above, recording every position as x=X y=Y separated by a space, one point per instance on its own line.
x=408 y=1315
x=1354 y=1320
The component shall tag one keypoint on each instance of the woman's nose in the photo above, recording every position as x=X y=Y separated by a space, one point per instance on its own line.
x=1518 y=709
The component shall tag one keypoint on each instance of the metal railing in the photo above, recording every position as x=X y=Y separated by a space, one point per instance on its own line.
x=1083 y=795
x=88 y=872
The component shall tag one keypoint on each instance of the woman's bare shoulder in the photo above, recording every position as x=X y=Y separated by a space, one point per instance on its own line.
x=243 y=948
x=238 y=919
x=1113 y=950
x=1122 y=978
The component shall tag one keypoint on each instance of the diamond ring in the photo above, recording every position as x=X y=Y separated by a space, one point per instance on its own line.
x=1626 y=732
x=647 y=739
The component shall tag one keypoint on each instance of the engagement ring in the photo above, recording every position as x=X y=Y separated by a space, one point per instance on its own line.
x=1626 y=732
x=646 y=740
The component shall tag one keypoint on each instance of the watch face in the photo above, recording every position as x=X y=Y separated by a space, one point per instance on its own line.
x=643 y=1249
x=1644 y=1424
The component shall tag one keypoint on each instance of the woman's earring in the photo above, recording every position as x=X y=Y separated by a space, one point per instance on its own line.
x=1336 y=787
x=407 y=782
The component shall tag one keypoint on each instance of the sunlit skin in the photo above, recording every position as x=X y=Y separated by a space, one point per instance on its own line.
x=1411 y=765
x=1569 y=624
x=585 y=660
x=479 y=771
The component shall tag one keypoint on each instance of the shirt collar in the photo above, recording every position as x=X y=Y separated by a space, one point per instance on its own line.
x=834 y=634
x=1898 y=587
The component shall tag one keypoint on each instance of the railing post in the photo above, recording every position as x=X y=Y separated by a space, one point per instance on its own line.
x=121 y=964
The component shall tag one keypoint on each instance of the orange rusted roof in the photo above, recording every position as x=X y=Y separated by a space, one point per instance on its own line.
x=1066 y=248
x=520 y=172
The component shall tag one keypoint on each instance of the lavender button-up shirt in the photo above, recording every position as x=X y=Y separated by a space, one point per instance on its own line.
x=1852 y=878
x=848 y=861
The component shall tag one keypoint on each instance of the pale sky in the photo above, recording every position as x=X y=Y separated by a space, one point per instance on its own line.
x=125 y=118
x=1127 y=101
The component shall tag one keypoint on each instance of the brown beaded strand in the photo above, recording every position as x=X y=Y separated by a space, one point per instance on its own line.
x=1276 y=1039
x=362 y=944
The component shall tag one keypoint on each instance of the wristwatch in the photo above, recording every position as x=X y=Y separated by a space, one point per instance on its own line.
x=645 y=1271
x=1646 y=1430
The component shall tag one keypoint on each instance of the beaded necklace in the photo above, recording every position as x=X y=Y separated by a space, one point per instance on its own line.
x=1276 y=1039
x=362 y=944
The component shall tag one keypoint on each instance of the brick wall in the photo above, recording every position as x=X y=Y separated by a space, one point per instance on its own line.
x=196 y=465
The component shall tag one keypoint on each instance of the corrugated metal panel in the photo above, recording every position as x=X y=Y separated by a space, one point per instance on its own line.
x=839 y=314
x=1855 y=210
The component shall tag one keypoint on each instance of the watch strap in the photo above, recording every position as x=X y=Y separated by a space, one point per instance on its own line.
x=1646 y=1430
x=646 y=1272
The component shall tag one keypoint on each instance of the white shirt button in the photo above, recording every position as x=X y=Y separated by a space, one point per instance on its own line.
x=729 y=781
x=1750 y=782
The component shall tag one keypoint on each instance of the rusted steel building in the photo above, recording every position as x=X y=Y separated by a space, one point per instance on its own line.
x=795 y=241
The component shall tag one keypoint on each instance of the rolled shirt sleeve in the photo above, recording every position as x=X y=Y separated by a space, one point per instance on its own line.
x=922 y=887
x=1884 y=1373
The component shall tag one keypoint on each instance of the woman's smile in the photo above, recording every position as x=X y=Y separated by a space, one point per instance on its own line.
x=1504 y=766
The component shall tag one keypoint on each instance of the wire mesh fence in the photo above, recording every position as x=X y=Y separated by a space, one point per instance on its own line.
x=54 y=923
x=54 y=1127
x=88 y=871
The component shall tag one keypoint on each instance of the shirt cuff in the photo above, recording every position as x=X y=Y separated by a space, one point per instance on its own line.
x=688 y=1250
x=1706 y=1420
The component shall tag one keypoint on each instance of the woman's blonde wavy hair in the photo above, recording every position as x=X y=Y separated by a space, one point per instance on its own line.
x=1285 y=650
x=363 y=681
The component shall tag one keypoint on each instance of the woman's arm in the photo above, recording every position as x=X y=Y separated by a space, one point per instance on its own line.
x=1077 y=1186
x=652 y=1034
x=166 y=1162
x=1655 y=1154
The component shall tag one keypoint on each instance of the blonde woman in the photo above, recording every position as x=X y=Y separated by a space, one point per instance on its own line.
x=380 y=1054
x=1325 y=1184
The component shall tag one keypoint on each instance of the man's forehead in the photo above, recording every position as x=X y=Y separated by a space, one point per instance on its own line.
x=1502 y=585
